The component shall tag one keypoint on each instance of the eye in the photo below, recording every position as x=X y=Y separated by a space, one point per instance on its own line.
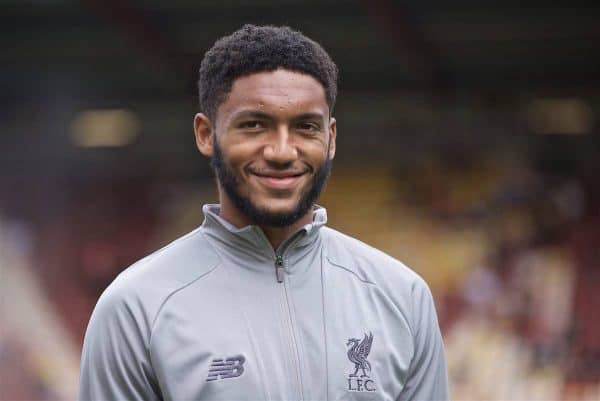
x=309 y=126
x=251 y=125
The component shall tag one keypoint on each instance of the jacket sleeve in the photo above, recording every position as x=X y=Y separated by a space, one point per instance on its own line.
x=115 y=363
x=428 y=376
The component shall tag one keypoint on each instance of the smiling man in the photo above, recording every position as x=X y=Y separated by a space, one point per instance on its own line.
x=279 y=139
x=263 y=301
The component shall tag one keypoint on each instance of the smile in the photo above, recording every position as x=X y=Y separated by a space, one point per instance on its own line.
x=279 y=181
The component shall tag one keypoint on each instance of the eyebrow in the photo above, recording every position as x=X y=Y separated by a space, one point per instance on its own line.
x=252 y=114
x=264 y=116
x=309 y=116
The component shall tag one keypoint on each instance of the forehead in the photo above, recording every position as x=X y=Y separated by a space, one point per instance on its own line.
x=279 y=91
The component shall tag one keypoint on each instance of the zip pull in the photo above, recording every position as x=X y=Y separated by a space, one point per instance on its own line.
x=279 y=268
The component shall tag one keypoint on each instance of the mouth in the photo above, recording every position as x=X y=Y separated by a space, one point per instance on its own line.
x=279 y=179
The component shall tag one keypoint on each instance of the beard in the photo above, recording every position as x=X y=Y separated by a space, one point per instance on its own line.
x=262 y=216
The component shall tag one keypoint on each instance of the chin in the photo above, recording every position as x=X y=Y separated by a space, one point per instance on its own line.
x=275 y=208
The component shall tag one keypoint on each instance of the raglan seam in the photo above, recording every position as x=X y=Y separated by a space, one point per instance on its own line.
x=410 y=324
x=181 y=287
x=175 y=291
x=148 y=259
x=331 y=233
x=353 y=273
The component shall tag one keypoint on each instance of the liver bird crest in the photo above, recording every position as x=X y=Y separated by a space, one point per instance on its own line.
x=358 y=353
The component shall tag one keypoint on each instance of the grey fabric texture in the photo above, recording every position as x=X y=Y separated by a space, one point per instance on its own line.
x=205 y=318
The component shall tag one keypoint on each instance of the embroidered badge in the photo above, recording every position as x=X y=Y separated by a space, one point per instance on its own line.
x=358 y=353
x=226 y=369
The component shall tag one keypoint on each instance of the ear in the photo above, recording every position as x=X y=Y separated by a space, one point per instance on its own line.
x=204 y=134
x=332 y=137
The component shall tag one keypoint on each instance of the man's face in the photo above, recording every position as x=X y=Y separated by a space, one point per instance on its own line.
x=273 y=146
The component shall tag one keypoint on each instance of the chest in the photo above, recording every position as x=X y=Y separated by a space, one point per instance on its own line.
x=312 y=337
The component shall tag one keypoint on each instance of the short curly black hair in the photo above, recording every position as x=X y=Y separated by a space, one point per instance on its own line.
x=254 y=49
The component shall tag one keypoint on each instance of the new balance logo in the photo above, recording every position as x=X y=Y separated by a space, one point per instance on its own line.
x=226 y=369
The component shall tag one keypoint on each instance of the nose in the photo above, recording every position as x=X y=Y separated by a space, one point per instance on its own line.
x=280 y=149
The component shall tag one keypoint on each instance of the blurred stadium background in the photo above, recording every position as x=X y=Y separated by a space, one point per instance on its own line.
x=468 y=148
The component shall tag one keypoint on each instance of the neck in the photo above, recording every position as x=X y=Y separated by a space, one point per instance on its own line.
x=275 y=235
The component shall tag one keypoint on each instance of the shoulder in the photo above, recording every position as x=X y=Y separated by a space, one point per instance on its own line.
x=176 y=264
x=372 y=266
x=368 y=262
x=142 y=288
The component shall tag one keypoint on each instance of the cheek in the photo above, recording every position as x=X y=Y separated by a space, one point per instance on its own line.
x=316 y=152
x=237 y=154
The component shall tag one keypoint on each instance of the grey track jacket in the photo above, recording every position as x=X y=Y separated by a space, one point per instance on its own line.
x=219 y=315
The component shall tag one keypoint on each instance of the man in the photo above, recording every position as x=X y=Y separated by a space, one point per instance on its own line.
x=263 y=302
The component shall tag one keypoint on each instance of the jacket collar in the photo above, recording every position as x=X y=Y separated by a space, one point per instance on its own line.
x=252 y=240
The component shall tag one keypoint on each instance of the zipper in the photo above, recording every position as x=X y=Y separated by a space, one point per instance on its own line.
x=289 y=322
x=280 y=277
x=279 y=269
